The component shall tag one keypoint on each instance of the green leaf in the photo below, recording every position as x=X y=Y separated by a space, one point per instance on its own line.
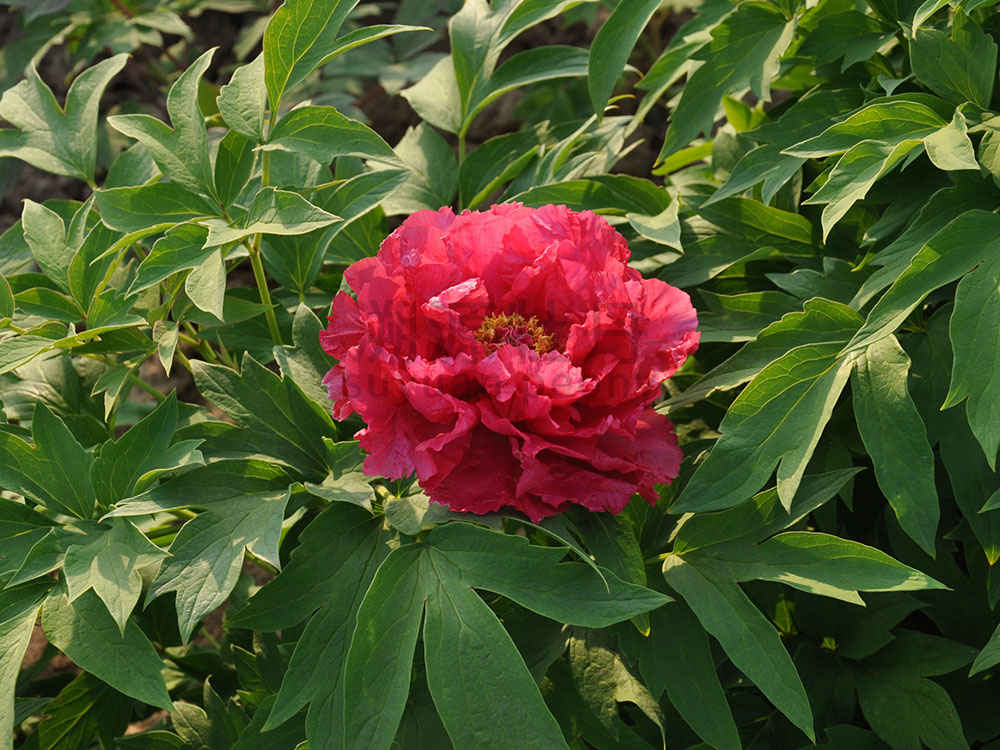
x=63 y=142
x=234 y=166
x=612 y=540
x=140 y=455
x=55 y=472
x=894 y=435
x=305 y=362
x=821 y=321
x=608 y=194
x=527 y=67
x=744 y=51
x=760 y=517
x=603 y=681
x=378 y=665
x=433 y=177
x=853 y=176
x=284 y=422
x=45 y=233
x=663 y=229
x=820 y=564
x=344 y=538
x=436 y=98
x=532 y=576
x=88 y=635
x=466 y=650
x=493 y=163
x=677 y=656
x=611 y=47
x=887 y=122
x=182 y=247
x=272 y=211
x=243 y=101
x=110 y=566
x=205 y=286
x=296 y=261
x=207 y=554
x=85 y=708
x=850 y=34
x=19 y=350
x=20 y=607
x=972 y=480
x=961 y=69
x=953 y=251
x=134 y=209
x=905 y=711
x=762 y=225
x=347 y=544
x=300 y=34
x=750 y=641
x=323 y=134
x=950 y=148
x=166 y=334
x=6 y=299
x=975 y=340
x=778 y=417
x=989 y=656
x=180 y=151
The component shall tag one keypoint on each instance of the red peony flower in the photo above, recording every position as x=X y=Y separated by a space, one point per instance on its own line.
x=511 y=358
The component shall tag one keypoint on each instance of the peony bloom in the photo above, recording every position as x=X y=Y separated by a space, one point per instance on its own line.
x=510 y=358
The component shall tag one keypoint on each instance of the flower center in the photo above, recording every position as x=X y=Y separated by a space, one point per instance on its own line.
x=500 y=328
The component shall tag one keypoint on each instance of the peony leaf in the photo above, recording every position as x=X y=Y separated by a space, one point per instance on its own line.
x=960 y=69
x=207 y=554
x=19 y=607
x=181 y=151
x=295 y=261
x=109 y=564
x=287 y=426
x=532 y=576
x=243 y=101
x=750 y=641
x=61 y=142
x=55 y=472
x=300 y=34
x=975 y=339
x=778 y=417
x=380 y=659
x=330 y=570
x=896 y=438
x=475 y=673
x=133 y=209
x=323 y=134
x=677 y=656
x=821 y=321
x=948 y=255
x=272 y=211
x=182 y=247
x=612 y=46
x=744 y=51
x=87 y=634
x=608 y=194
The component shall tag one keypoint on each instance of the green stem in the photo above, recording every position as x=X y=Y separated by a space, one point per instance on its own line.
x=265 y=294
x=136 y=380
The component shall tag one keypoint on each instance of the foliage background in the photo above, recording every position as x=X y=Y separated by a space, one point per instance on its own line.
x=210 y=569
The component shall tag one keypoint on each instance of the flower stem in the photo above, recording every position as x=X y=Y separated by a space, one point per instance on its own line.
x=136 y=380
x=265 y=293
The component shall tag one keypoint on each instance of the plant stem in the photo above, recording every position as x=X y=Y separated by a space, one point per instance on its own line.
x=136 y=380
x=265 y=293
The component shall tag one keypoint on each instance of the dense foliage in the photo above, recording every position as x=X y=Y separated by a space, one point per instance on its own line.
x=207 y=563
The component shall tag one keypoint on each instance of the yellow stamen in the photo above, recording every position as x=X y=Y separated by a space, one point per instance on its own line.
x=500 y=328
